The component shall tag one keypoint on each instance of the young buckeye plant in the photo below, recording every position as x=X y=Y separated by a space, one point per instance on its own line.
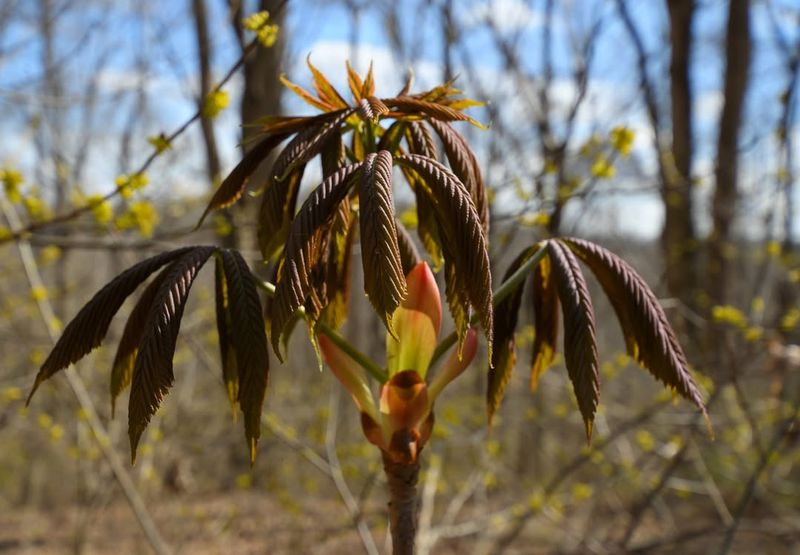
x=309 y=251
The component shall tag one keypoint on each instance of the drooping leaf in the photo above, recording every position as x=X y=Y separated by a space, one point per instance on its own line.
x=545 y=320
x=87 y=330
x=384 y=280
x=420 y=140
x=416 y=106
x=428 y=226
x=505 y=349
x=302 y=246
x=125 y=359
x=152 y=373
x=332 y=155
x=227 y=351
x=580 y=342
x=249 y=340
x=649 y=338
x=275 y=214
x=463 y=235
x=390 y=140
x=339 y=260
x=409 y=255
x=457 y=298
x=234 y=185
x=465 y=166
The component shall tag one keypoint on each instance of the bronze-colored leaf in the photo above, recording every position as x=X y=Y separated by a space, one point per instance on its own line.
x=580 y=342
x=369 y=84
x=649 y=338
x=463 y=234
x=465 y=165
x=545 y=319
x=234 y=185
x=326 y=92
x=249 y=340
x=323 y=105
x=457 y=298
x=354 y=82
x=417 y=107
x=276 y=211
x=420 y=140
x=227 y=351
x=152 y=373
x=391 y=137
x=371 y=109
x=125 y=359
x=302 y=248
x=333 y=155
x=409 y=255
x=428 y=226
x=340 y=250
x=384 y=280
x=87 y=330
x=504 y=355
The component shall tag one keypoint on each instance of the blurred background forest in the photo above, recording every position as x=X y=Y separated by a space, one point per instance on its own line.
x=666 y=130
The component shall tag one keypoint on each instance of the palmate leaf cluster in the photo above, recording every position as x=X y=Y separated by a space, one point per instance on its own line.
x=361 y=145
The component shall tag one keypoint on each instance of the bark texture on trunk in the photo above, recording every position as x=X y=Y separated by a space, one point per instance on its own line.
x=737 y=55
x=402 y=480
x=678 y=237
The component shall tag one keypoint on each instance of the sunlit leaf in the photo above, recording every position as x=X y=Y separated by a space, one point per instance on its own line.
x=227 y=351
x=545 y=320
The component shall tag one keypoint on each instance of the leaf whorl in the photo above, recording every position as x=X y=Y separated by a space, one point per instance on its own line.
x=249 y=341
x=230 y=373
x=87 y=330
x=302 y=248
x=465 y=166
x=152 y=373
x=125 y=358
x=504 y=356
x=232 y=187
x=545 y=320
x=463 y=234
x=371 y=109
x=384 y=280
x=580 y=343
x=649 y=338
x=409 y=255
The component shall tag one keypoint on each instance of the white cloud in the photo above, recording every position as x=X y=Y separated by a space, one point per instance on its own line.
x=505 y=15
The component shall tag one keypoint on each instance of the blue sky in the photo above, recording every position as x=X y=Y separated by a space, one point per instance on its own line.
x=123 y=44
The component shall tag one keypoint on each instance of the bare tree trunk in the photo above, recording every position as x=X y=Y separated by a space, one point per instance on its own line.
x=678 y=236
x=204 y=62
x=402 y=480
x=262 y=87
x=737 y=55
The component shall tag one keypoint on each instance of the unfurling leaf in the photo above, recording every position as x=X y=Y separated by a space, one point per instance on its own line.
x=227 y=352
x=384 y=280
x=87 y=330
x=354 y=82
x=249 y=341
x=326 y=92
x=125 y=359
x=649 y=338
x=371 y=109
x=416 y=106
x=545 y=320
x=505 y=348
x=580 y=342
x=463 y=237
x=233 y=186
x=152 y=373
x=337 y=275
x=303 y=248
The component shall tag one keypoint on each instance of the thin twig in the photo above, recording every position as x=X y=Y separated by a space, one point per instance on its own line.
x=85 y=400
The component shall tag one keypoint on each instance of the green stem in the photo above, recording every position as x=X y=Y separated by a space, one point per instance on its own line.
x=363 y=360
x=505 y=289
